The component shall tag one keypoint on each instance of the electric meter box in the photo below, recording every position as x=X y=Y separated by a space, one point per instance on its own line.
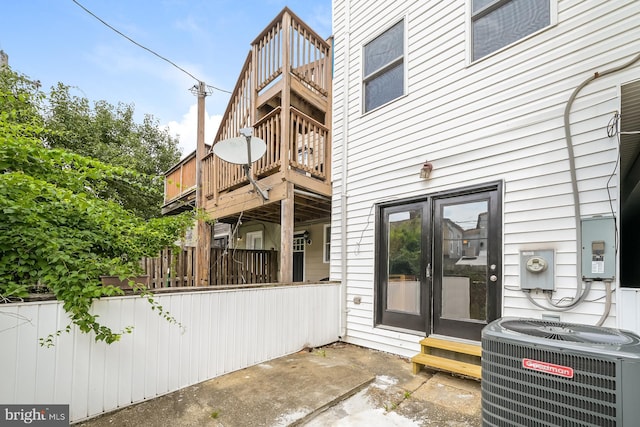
x=537 y=269
x=598 y=248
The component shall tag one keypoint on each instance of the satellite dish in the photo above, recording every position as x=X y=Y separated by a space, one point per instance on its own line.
x=234 y=150
x=243 y=150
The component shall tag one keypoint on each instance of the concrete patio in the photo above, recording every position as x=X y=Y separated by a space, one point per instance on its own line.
x=338 y=385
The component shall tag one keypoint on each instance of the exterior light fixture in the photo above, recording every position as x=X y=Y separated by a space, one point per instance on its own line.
x=426 y=170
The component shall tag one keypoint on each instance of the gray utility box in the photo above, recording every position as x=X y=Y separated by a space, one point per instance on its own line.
x=598 y=248
x=537 y=269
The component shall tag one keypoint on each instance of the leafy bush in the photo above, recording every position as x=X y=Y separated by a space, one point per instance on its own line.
x=58 y=232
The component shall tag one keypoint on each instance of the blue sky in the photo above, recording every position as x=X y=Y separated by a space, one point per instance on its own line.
x=56 y=41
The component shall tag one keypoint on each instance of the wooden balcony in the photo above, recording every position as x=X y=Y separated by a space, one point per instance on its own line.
x=180 y=186
x=284 y=94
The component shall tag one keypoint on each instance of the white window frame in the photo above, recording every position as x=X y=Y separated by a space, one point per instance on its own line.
x=299 y=242
x=326 y=245
x=252 y=237
x=364 y=78
x=553 y=20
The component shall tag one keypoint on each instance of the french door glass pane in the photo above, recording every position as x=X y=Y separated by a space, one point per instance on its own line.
x=464 y=261
x=403 y=269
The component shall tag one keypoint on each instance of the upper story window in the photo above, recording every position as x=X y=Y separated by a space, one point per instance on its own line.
x=384 y=67
x=498 y=23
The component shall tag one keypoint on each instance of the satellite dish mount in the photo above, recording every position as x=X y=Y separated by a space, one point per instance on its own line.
x=240 y=151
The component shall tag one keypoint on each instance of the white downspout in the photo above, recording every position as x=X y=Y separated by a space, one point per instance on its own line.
x=344 y=175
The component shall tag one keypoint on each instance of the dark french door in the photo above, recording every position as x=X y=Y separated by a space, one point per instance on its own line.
x=439 y=262
x=403 y=293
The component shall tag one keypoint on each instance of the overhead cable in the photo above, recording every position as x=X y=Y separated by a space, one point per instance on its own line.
x=144 y=47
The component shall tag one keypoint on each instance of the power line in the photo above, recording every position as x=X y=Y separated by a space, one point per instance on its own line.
x=144 y=47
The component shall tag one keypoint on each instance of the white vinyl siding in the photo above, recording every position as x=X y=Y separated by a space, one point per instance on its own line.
x=501 y=119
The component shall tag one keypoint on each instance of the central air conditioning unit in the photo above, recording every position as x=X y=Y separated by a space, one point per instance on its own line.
x=545 y=373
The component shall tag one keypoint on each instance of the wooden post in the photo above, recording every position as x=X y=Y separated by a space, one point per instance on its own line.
x=286 y=150
x=203 y=231
x=287 y=204
x=286 y=236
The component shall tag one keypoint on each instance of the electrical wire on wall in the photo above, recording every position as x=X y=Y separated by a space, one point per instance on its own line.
x=356 y=251
x=584 y=287
x=613 y=130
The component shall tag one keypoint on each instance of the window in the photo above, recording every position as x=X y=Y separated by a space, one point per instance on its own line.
x=298 y=243
x=498 y=23
x=254 y=240
x=220 y=242
x=384 y=68
x=326 y=252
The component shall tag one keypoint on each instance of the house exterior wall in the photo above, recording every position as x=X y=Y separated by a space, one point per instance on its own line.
x=497 y=119
x=315 y=268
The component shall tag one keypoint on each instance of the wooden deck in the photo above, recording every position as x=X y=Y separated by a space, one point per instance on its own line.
x=180 y=186
x=283 y=93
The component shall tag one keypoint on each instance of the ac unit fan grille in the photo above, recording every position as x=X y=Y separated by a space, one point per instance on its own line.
x=567 y=332
x=514 y=395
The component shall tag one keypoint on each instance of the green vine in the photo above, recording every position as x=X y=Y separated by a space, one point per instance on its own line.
x=59 y=233
x=103 y=333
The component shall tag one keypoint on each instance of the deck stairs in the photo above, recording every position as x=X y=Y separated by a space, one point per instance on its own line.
x=461 y=358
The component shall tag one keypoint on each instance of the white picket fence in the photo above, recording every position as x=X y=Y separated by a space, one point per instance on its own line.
x=223 y=331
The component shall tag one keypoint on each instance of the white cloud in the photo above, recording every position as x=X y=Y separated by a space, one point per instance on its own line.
x=187 y=129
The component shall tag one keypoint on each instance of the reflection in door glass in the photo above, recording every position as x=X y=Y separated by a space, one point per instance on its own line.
x=464 y=261
x=403 y=281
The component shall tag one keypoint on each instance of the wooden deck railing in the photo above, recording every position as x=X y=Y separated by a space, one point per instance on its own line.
x=243 y=266
x=176 y=268
x=308 y=145
x=267 y=51
x=309 y=57
x=172 y=268
x=308 y=152
x=180 y=180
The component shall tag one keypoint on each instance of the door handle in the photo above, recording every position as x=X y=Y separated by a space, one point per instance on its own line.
x=428 y=271
x=493 y=278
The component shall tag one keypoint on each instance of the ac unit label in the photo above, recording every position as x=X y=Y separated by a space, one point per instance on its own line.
x=549 y=368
